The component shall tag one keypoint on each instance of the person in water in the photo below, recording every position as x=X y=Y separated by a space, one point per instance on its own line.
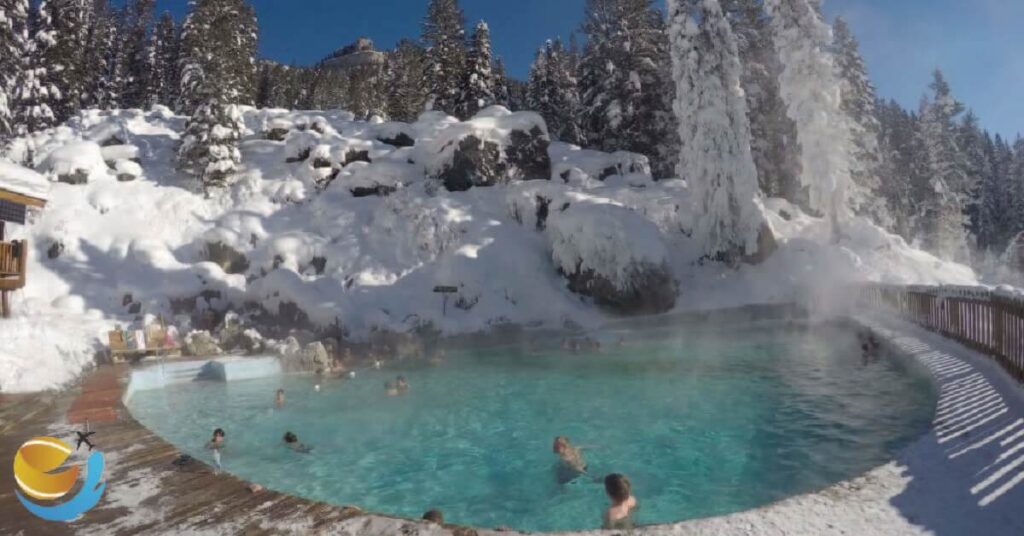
x=571 y=463
x=216 y=444
x=292 y=441
x=434 y=516
x=390 y=389
x=401 y=385
x=279 y=398
x=619 y=515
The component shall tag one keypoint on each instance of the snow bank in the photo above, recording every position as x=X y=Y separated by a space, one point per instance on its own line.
x=76 y=162
x=362 y=253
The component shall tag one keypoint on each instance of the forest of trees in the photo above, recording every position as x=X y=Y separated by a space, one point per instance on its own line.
x=932 y=174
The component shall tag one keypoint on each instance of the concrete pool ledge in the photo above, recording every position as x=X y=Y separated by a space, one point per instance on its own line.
x=965 y=476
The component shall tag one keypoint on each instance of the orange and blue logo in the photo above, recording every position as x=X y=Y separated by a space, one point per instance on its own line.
x=36 y=471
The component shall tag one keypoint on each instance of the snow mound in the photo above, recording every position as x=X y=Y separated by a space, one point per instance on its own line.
x=76 y=162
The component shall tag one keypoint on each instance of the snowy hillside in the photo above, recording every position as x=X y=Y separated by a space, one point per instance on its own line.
x=346 y=227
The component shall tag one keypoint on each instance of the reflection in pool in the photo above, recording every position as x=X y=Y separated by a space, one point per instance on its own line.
x=704 y=420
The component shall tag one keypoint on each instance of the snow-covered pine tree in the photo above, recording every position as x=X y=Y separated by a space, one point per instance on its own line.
x=164 y=71
x=978 y=151
x=858 y=102
x=218 y=47
x=478 y=90
x=902 y=155
x=712 y=114
x=552 y=91
x=444 y=35
x=99 y=45
x=138 y=65
x=943 y=225
x=34 y=92
x=1015 y=178
x=60 y=59
x=625 y=88
x=996 y=200
x=501 y=92
x=773 y=143
x=404 y=75
x=811 y=91
x=13 y=50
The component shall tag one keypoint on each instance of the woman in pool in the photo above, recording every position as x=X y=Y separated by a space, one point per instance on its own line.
x=619 y=515
x=401 y=385
x=216 y=444
x=279 y=398
x=292 y=441
x=571 y=464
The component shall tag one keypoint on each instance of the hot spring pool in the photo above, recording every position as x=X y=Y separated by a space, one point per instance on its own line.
x=704 y=420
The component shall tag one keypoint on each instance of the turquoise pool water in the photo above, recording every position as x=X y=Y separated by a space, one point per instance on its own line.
x=704 y=420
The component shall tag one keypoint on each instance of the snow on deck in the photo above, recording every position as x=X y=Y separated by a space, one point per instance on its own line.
x=23 y=181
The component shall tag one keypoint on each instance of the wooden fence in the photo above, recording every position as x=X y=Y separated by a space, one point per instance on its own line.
x=991 y=322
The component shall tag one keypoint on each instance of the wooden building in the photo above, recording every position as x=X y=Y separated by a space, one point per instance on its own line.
x=21 y=189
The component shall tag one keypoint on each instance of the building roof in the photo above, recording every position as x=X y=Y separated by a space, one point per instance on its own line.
x=22 y=185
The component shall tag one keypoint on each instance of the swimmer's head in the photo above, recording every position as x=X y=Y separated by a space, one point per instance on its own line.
x=434 y=516
x=218 y=433
x=290 y=438
x=561 y=443
x=617 y=487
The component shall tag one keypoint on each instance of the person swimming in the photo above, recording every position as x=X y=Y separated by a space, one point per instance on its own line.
x=279 y=398
x=434 y=516
x=401 y=385
x=619 y=515
x=215 y=444
x=390 y=389
x=292 y=441
x=571 y=463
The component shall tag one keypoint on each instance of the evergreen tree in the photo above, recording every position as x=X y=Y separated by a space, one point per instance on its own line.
x=942 y=199
x=624 y=82
x=164 y=71
x=902 y=156
x=218 y=46
x=858 y=103
x=101 y=46
x=716 y=158
x=996 y=203
x=138 y=67
x=13 y=50
x=773 y=143
x=811 y=91
x=978 y=152
x=35 y=92
x=444 y=35
x=60 y=56
x=479 y=86
x=501 y=91
x=552 y=92
x=404 y=75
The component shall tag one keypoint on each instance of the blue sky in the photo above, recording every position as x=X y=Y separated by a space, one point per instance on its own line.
x=979 y=44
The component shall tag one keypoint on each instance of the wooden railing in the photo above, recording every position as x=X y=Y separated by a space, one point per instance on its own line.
x=13 y=256
x=989 y=321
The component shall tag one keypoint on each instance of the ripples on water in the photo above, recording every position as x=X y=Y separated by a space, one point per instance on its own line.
x=704 y=420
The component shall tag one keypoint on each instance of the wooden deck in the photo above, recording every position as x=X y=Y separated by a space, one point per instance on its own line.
x=146 y=493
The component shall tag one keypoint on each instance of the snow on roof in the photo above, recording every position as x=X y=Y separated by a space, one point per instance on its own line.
x=23 y=181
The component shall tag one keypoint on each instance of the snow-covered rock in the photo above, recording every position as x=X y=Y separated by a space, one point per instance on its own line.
x=494 y=147
x=113 y=153
x=613 y=255
x=201 y=344
x=76 y=163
